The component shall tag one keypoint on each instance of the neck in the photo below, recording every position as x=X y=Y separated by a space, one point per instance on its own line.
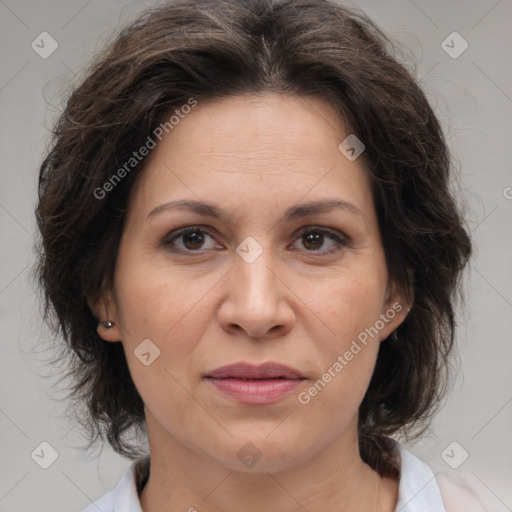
x=335 y=478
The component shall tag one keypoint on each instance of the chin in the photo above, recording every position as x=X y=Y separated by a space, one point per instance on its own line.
x=261 y=454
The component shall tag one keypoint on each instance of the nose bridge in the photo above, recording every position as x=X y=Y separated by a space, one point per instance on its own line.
x=255 y=300
x=255 y=283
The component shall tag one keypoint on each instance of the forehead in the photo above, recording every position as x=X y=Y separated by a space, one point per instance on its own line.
x=243 y=148
x=266 y=122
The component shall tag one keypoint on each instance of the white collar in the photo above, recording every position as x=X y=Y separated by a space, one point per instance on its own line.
x=418 y=490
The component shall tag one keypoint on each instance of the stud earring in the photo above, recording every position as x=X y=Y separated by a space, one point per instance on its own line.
x=108 y=324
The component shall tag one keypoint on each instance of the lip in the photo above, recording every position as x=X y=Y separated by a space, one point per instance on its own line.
x=250 y=371
x=256 y=384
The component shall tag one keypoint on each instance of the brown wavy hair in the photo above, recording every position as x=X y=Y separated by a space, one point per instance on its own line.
x=207 y=49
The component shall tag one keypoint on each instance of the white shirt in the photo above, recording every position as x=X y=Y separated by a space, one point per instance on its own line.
x=419 y=490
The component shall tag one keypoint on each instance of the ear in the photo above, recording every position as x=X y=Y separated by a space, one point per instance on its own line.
x=104 y=309
x=396 y=307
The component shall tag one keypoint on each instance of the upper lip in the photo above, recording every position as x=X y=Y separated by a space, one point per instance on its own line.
x=249 y=371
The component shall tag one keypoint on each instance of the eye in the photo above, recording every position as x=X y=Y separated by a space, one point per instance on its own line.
x=192 y=237
x=314 y=238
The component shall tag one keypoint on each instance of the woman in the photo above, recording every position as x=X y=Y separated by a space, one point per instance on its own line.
x=250 y=245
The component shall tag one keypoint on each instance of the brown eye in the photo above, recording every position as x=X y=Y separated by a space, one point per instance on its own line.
x=314 y=239
x=192 y=240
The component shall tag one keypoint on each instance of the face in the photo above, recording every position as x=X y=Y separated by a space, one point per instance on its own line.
x=268 y=281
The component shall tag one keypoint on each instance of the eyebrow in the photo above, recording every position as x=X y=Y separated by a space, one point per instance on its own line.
x=293 y=213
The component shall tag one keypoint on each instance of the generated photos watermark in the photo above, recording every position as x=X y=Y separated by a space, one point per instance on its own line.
x=138 y=156
x=305 y=397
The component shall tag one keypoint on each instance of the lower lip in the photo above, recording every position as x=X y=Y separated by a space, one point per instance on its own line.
x=262 y=391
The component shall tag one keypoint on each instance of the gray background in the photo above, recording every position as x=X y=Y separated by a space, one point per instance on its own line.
x=472 y=95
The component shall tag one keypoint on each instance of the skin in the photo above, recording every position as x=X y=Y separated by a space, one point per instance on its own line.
x=254 y=156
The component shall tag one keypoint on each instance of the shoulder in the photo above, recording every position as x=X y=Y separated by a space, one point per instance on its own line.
x=460 y=495
x=420 y=490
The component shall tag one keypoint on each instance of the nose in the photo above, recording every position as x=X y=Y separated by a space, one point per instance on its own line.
x=257 y=299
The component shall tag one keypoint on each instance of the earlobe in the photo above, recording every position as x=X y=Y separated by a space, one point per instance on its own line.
x=109 y=331
x=104 y=310
x=397 y=307
x=393 y=315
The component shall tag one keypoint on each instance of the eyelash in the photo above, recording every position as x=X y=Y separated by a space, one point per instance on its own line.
x=168 y=241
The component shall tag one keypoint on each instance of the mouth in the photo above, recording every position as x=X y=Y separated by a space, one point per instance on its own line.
x=248 y=371
x=251 y=384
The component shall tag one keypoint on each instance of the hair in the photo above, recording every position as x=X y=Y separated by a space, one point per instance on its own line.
x=208 y=49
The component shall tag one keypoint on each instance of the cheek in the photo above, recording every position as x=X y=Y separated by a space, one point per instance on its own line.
x=348 y=304
x=153 y=298
x=347 y=363
x=164 y=307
